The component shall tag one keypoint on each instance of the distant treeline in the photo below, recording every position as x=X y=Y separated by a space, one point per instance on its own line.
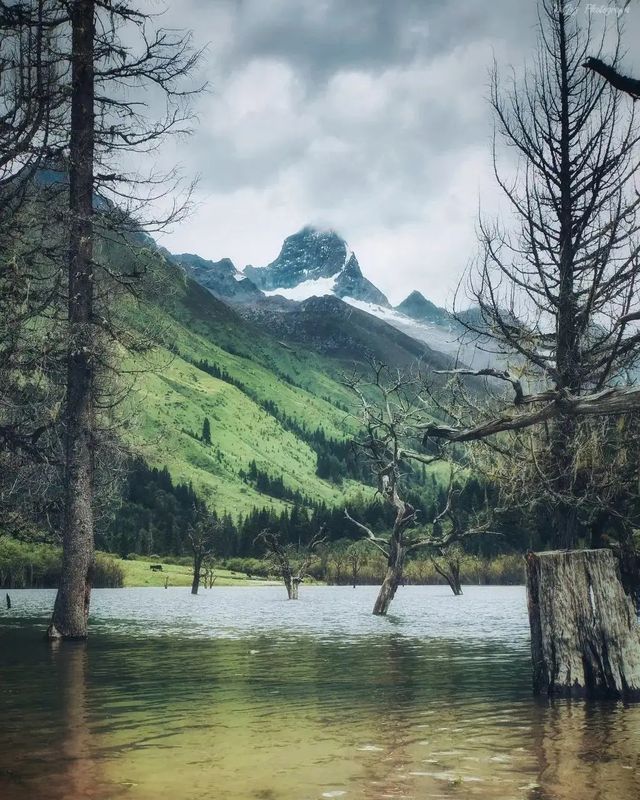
x=335 y=565
x=274 y=487
x=156 y=513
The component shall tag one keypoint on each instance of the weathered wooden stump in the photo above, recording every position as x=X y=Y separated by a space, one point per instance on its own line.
x=585 y=638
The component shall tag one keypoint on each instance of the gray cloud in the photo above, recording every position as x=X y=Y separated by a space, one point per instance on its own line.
x=368 y=116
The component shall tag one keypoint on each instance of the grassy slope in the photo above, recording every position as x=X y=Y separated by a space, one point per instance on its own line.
x=171 y=402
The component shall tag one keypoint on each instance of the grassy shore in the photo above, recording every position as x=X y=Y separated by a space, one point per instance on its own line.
x=38 y=565
x=138 y=573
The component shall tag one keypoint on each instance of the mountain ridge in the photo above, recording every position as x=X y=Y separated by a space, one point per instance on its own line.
x=319 y=263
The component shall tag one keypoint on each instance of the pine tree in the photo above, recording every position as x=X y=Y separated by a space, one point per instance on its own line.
x=206 y=431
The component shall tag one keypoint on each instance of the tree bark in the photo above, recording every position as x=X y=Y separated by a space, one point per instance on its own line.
x=197 y=568
x=392 y=578
x=585 y=638
x=454 y=582
x=71 y=610
x=451 y=574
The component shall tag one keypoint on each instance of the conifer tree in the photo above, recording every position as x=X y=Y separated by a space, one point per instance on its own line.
x=206 y=431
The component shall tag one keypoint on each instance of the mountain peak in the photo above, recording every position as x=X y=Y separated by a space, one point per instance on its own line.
x=221 y=278
x=416 y=297
x=419 y=308
x=308 y=255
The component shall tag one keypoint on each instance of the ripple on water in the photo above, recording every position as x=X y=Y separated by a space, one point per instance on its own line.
x=240 y=694
x=482 y=613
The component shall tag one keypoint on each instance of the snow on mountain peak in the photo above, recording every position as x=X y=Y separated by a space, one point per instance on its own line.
x=315 y=262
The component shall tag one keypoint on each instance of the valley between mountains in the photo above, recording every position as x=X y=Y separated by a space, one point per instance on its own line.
x=261 y=353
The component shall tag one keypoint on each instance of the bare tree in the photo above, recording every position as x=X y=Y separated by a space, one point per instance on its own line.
x=451 y=527
x=447 y=562
x=202 y=539
x=339 y=559
x=30 y=96
x=392 y=416
x=209 y=574
x=558 y=296
x=105 y=121
x=71 y=610
x=291 y=561
x=558 y=300
x=358 y=556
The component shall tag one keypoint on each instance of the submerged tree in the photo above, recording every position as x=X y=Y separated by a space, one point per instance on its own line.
x=291 y=561
x=447 y=562
x=393 y=413
x=450 y=528
x=358 y=556
x=557 y=302
x=202 y=539
x=106 y=119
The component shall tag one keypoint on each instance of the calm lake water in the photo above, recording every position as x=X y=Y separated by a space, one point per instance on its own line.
x=239 y=694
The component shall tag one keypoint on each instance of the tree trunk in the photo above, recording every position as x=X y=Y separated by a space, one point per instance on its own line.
x=453 y=579
x=71 y=610
x=392 y=578
x=288 y=583
x=295 y=586
x=197 y=567
x=451 y=575
x=585 y=638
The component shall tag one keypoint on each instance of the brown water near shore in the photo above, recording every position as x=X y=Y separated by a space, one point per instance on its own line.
x=239 y=694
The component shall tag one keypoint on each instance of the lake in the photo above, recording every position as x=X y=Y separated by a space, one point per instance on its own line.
x=238 y=694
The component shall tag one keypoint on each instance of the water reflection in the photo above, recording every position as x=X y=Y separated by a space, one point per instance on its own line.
x=300 y=710
x=587 y=751
x=45 y=732
x=76 y=773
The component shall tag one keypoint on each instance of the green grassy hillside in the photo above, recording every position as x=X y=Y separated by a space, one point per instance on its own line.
x=172 y=399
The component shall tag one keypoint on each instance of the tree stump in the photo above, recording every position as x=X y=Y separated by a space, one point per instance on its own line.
x=585 y=638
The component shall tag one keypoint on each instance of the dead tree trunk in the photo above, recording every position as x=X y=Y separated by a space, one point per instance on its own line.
x=585 y=639
x=292 y=575
x=292 y=582
x=71 y=610
x=451 y=573
x=392 y=578
x=197 y=568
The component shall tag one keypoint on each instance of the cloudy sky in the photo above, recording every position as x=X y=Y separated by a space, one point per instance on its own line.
x=366 y=116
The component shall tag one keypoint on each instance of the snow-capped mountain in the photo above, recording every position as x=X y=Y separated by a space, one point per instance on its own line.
x=319 y=263
x=420 y=309
x=312 y=263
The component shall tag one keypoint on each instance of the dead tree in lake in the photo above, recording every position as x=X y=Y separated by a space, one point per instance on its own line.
x=292 y=562
x=111 y=48
x=209 y=574
x=447 y=563
x=451 y=527
x=357 y=555
x=202 y=538
x=557 y=301
x=392 y=414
